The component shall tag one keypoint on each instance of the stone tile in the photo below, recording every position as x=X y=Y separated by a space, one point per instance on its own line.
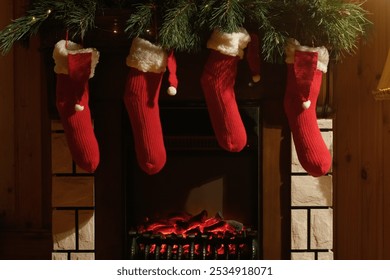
x=302 y=256
x=299 y=229
x=59 y=256
x=60 y=154
x=82 y=256
x=72 y=191
x=86 y=230
x=326 y=255
x=63 y=229
x=311 y=191
x=325 y=123
x=80 y=170
x=321 y=229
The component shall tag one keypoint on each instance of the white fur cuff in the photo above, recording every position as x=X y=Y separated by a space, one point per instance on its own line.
x=232 y=44
x=64 y=48
x=146 y=56
x=323 y=55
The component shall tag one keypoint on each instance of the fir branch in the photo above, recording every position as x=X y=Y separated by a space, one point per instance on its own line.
x=256 y=12
x=22 y=27
x=141 y=20
x=79 y=17
x=331 y=23
x=179 y=29
x=226 y=15
x=352 y=20
x=76 y=16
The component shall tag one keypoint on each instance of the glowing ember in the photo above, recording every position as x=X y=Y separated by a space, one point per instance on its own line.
x=186 y=225
x=195 y=235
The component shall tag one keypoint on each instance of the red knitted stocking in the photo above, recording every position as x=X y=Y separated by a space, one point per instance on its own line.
x=304 y=77
x=218 y=81
x=147 y=63
x=74 y=67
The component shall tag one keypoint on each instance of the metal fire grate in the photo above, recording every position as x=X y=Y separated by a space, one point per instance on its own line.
x=147 y=246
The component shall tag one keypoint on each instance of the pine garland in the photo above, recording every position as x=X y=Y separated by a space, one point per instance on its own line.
x=76 y=16
x=184 y=25
x=335 y=24
x=22 y=27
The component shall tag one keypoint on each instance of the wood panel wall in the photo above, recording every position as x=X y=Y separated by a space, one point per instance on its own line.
x=362 y=147
x=24 y=189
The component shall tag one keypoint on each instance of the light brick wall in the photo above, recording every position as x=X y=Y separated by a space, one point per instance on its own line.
x=311 y=208
x=73 y=224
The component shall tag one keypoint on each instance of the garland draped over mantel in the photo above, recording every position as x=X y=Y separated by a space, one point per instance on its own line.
x=184 y=25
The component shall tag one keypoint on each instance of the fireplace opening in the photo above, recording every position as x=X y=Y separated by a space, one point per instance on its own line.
x=199 y=177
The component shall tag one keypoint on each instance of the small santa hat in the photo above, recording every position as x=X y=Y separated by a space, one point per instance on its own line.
x=172 y=78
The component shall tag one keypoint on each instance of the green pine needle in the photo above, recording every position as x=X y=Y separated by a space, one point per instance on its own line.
x=21 y=28
x=335 y=24
x=179 y=29
x=225 y=15
x=141 y=20
x=76 y=16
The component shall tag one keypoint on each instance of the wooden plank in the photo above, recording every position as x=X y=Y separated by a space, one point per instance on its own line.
x=372 y=137
x=23 y=234
x=381 y=45
x=7 y=124
x=386 y=182
x=32 y=200
x=26 y=233
x=347 y=192
x=276 y=182
x=361 y=176
x=28 y=130
x=23 y=245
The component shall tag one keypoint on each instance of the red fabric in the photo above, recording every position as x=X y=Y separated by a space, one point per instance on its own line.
x=141 y=100
x=303 y=83
x=172 y=67
x=72 y=89
x=217 y=82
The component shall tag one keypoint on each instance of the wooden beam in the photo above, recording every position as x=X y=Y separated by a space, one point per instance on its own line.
x=7 y=124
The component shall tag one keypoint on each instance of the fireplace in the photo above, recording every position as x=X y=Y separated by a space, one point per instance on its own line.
x=199 y=177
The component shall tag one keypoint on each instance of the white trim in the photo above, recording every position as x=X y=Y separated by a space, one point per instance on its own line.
x=64 y=48
x=232 y=44
x=146 y=56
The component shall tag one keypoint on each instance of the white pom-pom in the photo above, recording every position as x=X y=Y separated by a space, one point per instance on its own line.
x=306 y=104
x=78 y=108
x=172 y=91
x=256 y=78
